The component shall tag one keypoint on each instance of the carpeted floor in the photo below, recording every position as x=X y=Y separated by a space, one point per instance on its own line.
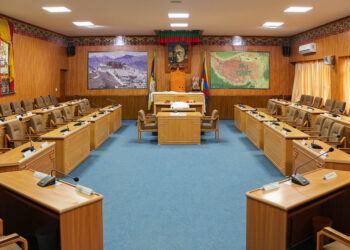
x=176 y=196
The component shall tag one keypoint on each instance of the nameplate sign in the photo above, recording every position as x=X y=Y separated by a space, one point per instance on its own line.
x=65 y=132
x=27 y=153
x=270 y=186
x=330 y=176
x=178 y=114
x=29 y=113
x=44 y=144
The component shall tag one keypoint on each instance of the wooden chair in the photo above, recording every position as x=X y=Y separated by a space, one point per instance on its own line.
x=325 y=130
x=341 y=241
x=15 y=134
x=328 y=106
x=9 y=242
x=144 y=126
x=16 y=108
x=212 y=125
x=37 y=126
x=308 y=100
x=67 y=114
x=82 y=109
x=339 y=107
x=39 y=103
x=27 y=105
x=57 y=119
x=270 y=109
x=53 y=99
x=317 y=102
x=301 y=101
x=301 y=121
x=337 y=135
x=316 y=129
x=292 y=115
x=288 y=109
x=5 y=109
x=47 y=100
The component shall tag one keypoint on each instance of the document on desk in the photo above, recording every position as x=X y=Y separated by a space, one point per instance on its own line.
x=178 y=114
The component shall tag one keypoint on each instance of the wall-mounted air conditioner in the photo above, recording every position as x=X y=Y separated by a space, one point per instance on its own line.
x=307 y=48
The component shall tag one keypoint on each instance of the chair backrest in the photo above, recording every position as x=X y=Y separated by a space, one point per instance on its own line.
x=5 y=109
x=37 y=123
x=327 y=126
x=39 y=102
x=308 y=100
x=328 y=106
x=302 y=99
x=293 y=113
x=67 y=114
x=141 y=117
x=271 y=107
x=87 y=104
x=53 y=99
x=16 y=108
x=15 y=131
x=288 y=109
x=214 y=118
x=301 y=118
x=317 y=102
x=339 y=107
x=318 y=123
x=47 y=100
x=27 y=105
x=82 y=107
x=337 y=130
x=57 y=117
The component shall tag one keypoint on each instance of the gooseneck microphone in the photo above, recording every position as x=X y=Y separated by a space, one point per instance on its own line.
x=301 y=180
x=51 y=180
x=112 y=101
x=67 y=129
x=76 y=179
x=31 y=147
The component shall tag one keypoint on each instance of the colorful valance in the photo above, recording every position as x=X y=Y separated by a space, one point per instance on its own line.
x=179 y=36
x=7 y=71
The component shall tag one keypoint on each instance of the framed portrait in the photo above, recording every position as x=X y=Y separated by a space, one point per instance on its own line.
x=178 y=55
x=117 y=70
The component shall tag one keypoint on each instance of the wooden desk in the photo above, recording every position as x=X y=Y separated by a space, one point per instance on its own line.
x=159 y=106
x=255 y=127
x=312 y=112
x=76 y=217
x=335 y=160
x=280 y=218
x=278 y=147
x=281 y=105
x=178 y=110
x=42 y=160
x=179 y=128
x=99 y=129
x=115 y=120
x=72 y=148
x=240 y=116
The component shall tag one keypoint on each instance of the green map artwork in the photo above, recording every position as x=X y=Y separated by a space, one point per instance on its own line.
x=239 y=70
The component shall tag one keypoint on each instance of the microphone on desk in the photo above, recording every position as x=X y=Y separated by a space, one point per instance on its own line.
x=51 y=180
x=301 y=180
x=115 y=104
x=316 y=146
x=286 y=129
x=31 y=147
x=67 y=129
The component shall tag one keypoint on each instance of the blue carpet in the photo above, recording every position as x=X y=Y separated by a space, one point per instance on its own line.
x=175 y=196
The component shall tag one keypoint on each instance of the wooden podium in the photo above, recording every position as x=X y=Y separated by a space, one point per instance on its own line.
x=178 y=81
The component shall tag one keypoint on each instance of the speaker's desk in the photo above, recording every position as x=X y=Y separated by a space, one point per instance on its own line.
x=281 y=105
x=25 y=207
x=72 y=147
x=333 y=160
x=115 y=120
x=159 y=106
x=281 y=218
x=255 y=127
x=42 y=159
x=179 y=128
x=240 y=116
x=312 y=112
x=278 y=145
x=99 y=129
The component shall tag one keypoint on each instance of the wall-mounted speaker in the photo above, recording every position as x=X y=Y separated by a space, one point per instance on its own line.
x=70 y=51
x=286 y=51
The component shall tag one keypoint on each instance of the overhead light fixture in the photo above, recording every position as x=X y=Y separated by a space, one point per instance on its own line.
x=85 y=23
x=178 y=15
x=56 y=9
x=179 y=25
x=272 y=25
x=298 y=9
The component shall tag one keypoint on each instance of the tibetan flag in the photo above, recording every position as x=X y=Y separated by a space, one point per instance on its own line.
x=205 y=88
x=152 y=83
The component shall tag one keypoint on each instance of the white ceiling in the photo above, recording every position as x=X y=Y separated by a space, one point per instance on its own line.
x=142 y=17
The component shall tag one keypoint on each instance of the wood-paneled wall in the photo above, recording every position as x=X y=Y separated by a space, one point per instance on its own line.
x=335 y=45
x=37 y=68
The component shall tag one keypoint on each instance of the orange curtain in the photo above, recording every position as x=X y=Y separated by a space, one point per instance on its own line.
x=312 y=78
x=345 y=80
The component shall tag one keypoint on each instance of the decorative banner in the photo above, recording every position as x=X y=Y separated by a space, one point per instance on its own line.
x=239 y=70
x=117 y=70
x=7 y=72
x=180 y=36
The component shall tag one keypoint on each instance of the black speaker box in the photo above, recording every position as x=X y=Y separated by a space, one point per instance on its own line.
x=70 y=51
x=286 y=50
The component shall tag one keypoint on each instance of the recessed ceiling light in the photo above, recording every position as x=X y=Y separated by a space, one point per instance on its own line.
x=298 y=9
x=57 y=9
x=83 y=23
x=175 y=1
x=272 y=25
x=178 y=15
x=179 y=25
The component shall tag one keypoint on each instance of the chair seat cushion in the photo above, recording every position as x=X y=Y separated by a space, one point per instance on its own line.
x=206 y=126
x=10 y=247
x=150 y=126
x=336 y=246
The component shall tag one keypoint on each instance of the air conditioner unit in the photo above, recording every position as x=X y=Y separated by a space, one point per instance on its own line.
x=329 y=60
x=307 y=48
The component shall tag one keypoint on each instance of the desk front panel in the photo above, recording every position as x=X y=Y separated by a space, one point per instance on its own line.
x=199 y=107
x=239 y=119
x=255 y=131
x=99 y=131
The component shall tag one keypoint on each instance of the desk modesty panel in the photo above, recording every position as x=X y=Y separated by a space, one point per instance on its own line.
x=240 y=116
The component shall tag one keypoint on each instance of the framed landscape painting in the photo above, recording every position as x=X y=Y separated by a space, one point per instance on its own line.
x=239 y=70
x=117 y=70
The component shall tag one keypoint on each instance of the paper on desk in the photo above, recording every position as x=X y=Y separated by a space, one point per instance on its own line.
x=178 y=114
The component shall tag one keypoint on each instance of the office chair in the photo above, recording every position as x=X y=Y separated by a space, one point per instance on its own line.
x=27 y=105
x=328 y=106
x=317 y=102
x=292 y=115
x=47 y=100
x=308 y=99
x=37 y=126
x=316 y=129
x=67 y=114
x=339 y=107
x=39 y=103
x=53 y=99
x=9 y=242
x=300 y=121
x=5 y=109
x=212 y=125
x=144 y=126
x=82 y=109
x=16 y=108
x=288 y=109
x=341 y=241
x=301 y=100
x=337 y=135
x=57 y=119
x=325 y=130
x=15 y=134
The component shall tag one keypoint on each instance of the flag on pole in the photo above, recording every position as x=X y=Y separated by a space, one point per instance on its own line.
x=204 y=87
x=152 y=83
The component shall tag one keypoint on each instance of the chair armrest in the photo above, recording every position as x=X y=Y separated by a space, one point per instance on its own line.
x=333 y=234
x=206 y=118
x=11 y=140
x=1 y=227
x=8 y=238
